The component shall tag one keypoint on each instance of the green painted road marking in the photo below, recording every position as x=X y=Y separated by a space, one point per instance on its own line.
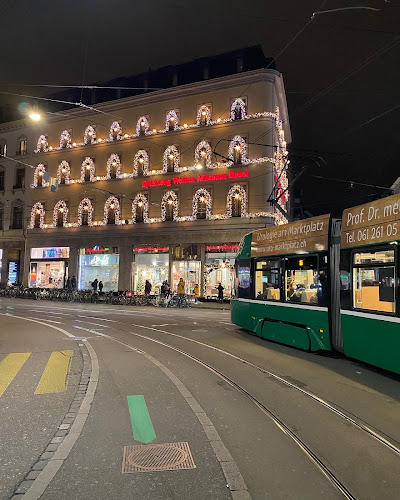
x=9 y=368
x=142 y=426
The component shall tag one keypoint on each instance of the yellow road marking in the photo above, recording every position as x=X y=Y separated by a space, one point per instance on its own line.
x=9 y=367
x=54 y=378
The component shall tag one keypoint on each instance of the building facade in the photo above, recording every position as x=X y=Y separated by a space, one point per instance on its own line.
x=157 y=186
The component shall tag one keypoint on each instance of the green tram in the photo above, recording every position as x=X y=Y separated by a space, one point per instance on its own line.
x=326 y=284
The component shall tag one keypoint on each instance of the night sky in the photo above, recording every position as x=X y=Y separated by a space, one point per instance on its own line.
x=330 y=96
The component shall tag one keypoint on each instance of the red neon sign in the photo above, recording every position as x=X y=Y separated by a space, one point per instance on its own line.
x=215 y=177
x=238 y=175
x=183 y=180
x=221 y=248
x=200 y=178
x=147 y=184
x=151 y=249
x=97 y=249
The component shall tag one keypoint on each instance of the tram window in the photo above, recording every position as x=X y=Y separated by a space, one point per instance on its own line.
x=374 y=281
x=304 y=284
x=268 y=279
x=243 y=277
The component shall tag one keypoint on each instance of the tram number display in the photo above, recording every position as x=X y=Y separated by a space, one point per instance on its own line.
x=371 y=223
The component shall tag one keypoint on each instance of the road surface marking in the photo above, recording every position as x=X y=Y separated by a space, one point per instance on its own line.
x=95 y=324
x=90 y=331
x=142 y=426
x=54 y=378
x=167 y=324
x=9 y=368
x=48 y=320
x=92 y=317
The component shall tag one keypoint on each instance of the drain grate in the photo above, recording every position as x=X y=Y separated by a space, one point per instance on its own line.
x=157 y=457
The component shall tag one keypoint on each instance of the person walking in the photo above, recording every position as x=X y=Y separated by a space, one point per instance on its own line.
x=94 y=284
x=147 y=287
x=196 y=292
x=220 y=289
x=101 y=286
x=181 y=287
x=73 y=282
x=69 y=284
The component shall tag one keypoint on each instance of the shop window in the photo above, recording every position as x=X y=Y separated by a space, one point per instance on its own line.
x=102 y=266
x=19 y=178
x=17 y=215
x=268 y=279
x=2 y=176
x=374 y=280
x=304 y=283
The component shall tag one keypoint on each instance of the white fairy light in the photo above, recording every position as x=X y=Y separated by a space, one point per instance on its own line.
x=42 y=144
x=171 y=156
x=65 y=139
x=199 y=157
x=89 y=136
x=112 y=203
x=85 y=206
x=172 y=120
x=202 y=195
x=238 y=105
x=37 y=209
x=63 y=171
x=241 y=191
x=239 y=142
x=141 y=161
x=141 y=201
x=203 y=115
x=169 y=196
x=60 y=207
x=88 y=164
x=115 y=131
x=113 y=162
x=142 y=129
x=38 y=173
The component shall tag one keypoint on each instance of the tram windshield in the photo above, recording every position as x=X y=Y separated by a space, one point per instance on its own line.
x=374 y=281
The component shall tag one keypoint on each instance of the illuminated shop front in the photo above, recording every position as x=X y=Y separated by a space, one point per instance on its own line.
x=220 y=268
x=150 y=263
x=48 y=267
x=101 y=263
x=186 y=264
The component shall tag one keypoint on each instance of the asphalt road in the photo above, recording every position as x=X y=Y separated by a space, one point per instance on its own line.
x=256 y=419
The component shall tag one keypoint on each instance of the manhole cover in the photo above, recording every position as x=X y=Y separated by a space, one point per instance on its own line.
x=157 y=457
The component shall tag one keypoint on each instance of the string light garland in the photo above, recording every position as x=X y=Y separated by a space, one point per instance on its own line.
x=238 y=105
x=37 y=209
x=85 y=206
x=238 y=149
x=204 y=196
x=203 y=153
x=88 y=164
x=42 y=144
x=115 y=131
x=65 y=139
x=172 y=120
x=89 y=136
x=141 y=163
x=60 y=207
x=169 y=198
x=141 y=201
x=142 y=126
x=112 y=203
x=113 y=164
x=171 y=157
x=237 y=190
x=63 y=172
x=203 y=116
x=38 y=174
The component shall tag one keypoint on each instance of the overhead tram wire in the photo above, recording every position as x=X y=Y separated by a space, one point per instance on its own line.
x=89 y=87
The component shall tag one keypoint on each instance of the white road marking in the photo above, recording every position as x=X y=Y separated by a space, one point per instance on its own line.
x=48 y=320
x=92 y=317
x=167 y=324
x=90 y=323
x=90 y=331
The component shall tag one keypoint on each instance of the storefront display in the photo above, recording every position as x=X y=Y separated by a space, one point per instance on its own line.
x=152 y=264
x=187 y=265
x=49 y=267
x=220 y=268
x=102 y=265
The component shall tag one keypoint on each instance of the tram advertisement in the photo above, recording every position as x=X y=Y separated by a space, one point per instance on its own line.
x=303 y=236
x=375 y=222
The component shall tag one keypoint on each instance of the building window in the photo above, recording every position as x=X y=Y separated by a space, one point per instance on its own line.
x=20 y=178
x=201 y=207
x=140 y=212
x=36 y=223
x=3 y=147
x=374 y=281
x=169 y=209
x=237 y=205
x=22 y=147
x=17 y=216
x=2 y=180
x=111 y=214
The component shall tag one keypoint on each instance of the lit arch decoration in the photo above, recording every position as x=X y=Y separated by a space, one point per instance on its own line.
x=172 y=114
x=65 y=139
x=202 y=192
x=115 y=135
x=200 y=111
x=140 y=198
x=89 y=136
x=238 y=102
x=64 y=164
x=39 y=169
x=141 y=154
x=113 y=158
x=169 y=195
x=42 y=143
x=236 y=189
x=86 y=202
x=139 y=126
x=61 y=204
x=88 y=162
x=238 y=140
x=37 y=206
x=174 y=151
x=203 y=145
x=117 y=210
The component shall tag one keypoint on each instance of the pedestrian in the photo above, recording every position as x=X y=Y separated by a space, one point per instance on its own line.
x=94 y=284
x=73 y=282
x=181 y=287
x=69 y=284
x=147 y=287
x=196 y=292
x=220 y=289
x=101 y=286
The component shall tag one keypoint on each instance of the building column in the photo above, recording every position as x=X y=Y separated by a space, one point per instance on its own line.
x=4 y=266
x=125 y=267
x=73 y=262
